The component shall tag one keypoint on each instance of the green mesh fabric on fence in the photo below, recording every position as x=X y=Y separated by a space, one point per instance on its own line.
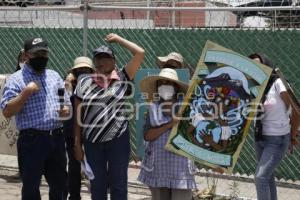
x=66 y=44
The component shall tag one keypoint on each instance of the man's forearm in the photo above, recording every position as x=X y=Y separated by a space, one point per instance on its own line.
x=16 y=104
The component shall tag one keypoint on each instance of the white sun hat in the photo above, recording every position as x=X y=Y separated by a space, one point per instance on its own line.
x=172 y=56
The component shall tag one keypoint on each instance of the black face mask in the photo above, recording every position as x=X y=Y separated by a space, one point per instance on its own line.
x=38 y=64
x=78 y=74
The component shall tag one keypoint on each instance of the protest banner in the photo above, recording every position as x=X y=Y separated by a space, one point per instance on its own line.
x=219 y=107
x=8 y=130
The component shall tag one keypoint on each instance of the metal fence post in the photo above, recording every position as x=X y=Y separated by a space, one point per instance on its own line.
x=275 y=20
x=85 y=27
x=173 y=14
x=148 y=12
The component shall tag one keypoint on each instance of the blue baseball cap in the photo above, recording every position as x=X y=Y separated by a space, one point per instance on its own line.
x=103 y=50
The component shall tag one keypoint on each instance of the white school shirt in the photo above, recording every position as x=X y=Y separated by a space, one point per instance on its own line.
x=276 y=121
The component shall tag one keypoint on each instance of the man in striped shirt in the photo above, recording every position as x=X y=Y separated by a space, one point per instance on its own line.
x=100 y=107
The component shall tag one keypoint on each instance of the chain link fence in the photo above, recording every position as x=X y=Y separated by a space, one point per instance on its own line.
x=75 y=28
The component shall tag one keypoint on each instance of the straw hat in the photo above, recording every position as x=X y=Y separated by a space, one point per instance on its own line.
x=148 y=84
x=83 y=61
x=172 y=56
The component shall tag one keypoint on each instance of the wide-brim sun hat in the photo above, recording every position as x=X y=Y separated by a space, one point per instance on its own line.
x=82 y=62
x=162 y=60
x=149 y=84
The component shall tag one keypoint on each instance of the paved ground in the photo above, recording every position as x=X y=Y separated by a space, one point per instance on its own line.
x=11 y=191
x=10 y=188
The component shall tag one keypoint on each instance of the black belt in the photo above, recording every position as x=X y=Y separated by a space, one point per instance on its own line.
x=36 y=132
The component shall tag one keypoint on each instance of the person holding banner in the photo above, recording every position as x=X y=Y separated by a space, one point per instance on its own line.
x=31 y=94
x=100 y=105
x=169 y=176
x=275 y=129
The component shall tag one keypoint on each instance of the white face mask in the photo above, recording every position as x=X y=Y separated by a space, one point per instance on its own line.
x=166 y=91
x=21 y=65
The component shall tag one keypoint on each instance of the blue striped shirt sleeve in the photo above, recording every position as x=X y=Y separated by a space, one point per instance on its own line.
x=11 y=90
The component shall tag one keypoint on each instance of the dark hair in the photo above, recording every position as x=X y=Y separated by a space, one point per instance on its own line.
x=258 y=123
x=263 y=59
x=266 y=61
x=21 y=52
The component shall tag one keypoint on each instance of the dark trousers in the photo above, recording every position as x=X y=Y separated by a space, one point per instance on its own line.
x=109 y=163
x=42 y=155
x=74 y=171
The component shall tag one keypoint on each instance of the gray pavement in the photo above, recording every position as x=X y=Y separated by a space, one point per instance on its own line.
x=10 y=189
x=10 y=186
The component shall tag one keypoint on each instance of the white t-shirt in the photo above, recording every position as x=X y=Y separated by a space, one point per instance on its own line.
x=276 y=119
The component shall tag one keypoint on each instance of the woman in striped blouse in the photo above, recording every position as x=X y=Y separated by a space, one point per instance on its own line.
x=102 y=121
